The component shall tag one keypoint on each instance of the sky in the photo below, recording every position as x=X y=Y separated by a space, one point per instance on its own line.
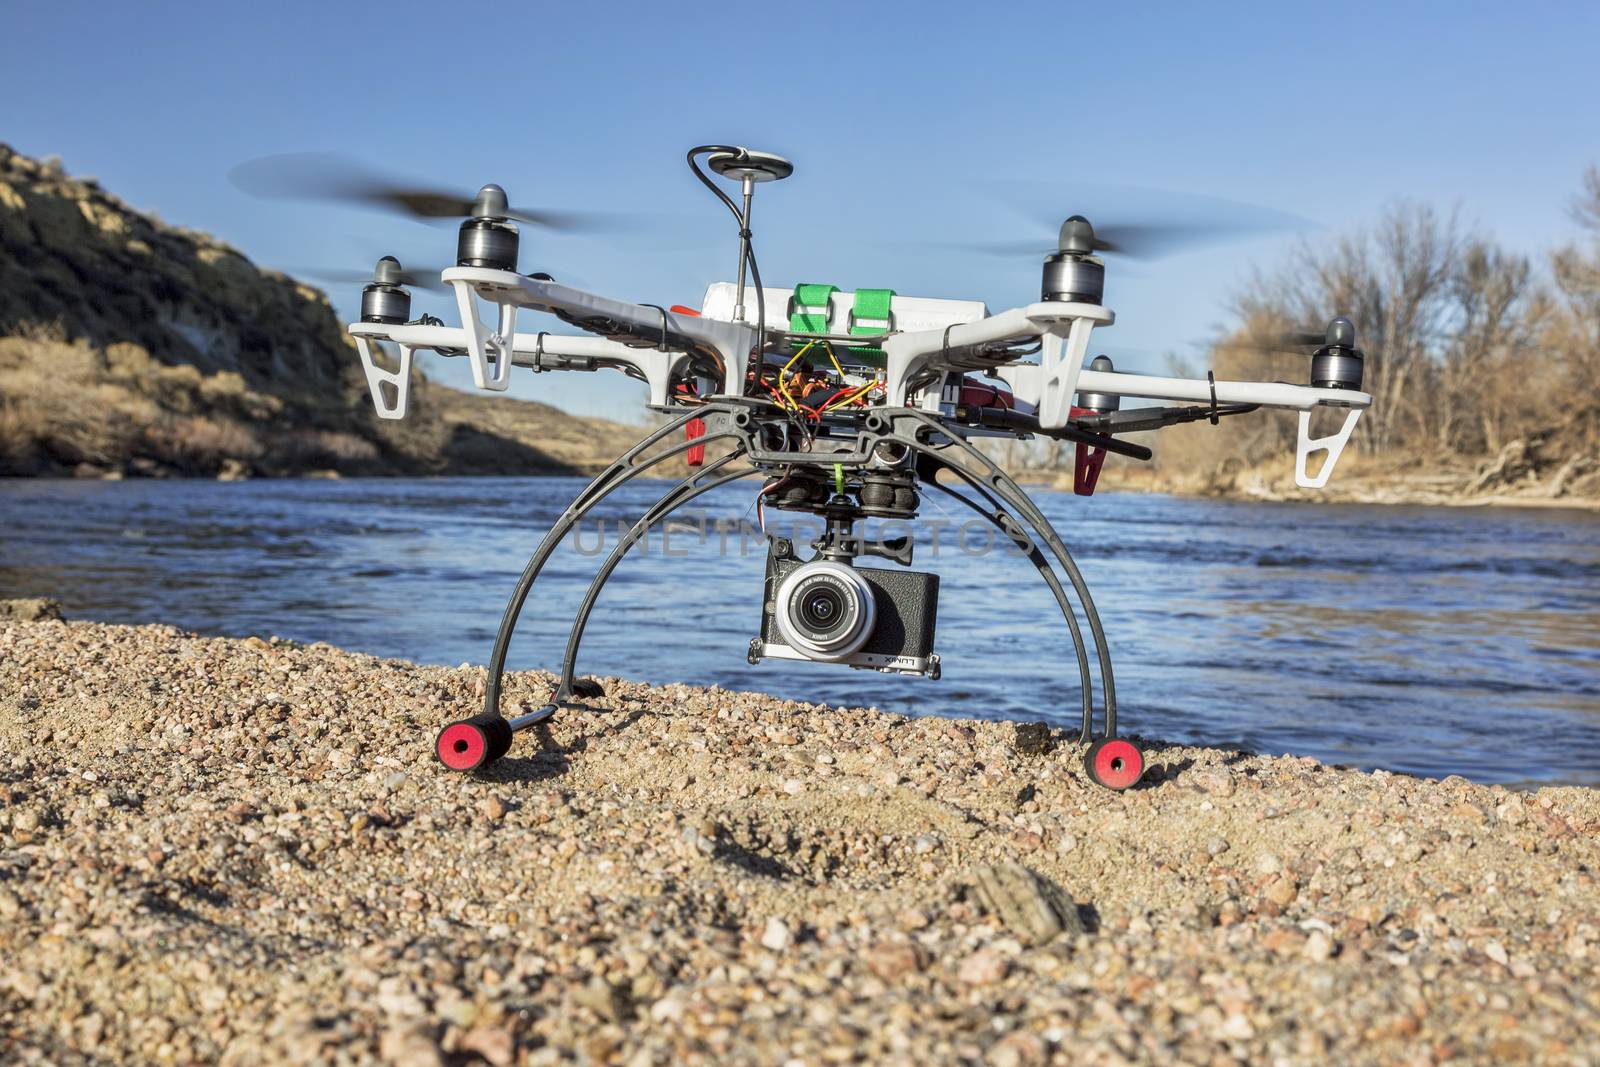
x=913 y=127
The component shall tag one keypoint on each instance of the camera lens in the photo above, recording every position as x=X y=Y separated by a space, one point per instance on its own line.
x=822 y=608
x=825 y=610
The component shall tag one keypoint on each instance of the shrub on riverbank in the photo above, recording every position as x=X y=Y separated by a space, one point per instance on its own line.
x=1482 y=362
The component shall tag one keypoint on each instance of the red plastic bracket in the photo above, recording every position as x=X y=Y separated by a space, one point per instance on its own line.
x=1086 y=469
x=697 y=453
x=1086 y=462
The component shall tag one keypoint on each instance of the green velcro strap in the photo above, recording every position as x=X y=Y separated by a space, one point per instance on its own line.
x=811 y=308
x=872 y=305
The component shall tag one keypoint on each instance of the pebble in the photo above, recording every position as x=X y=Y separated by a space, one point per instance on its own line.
x=409 y=1046
x=893 y=960
x=777 y=935
x=252 y=857
x=1032 y=738
x=610 y=1002
x=1281 y=891
x=1218 y=783
x=492 y=808
x=494 y=1043
x=983 y=968
x=913 y=919
x=1018 y=1050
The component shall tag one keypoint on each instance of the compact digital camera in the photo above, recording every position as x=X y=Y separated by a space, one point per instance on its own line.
x=831 y=611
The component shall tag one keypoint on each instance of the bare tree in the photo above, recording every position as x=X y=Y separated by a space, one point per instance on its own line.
x=1574 y=331
x=1394 y=282
x=1473 y=351
x=1489 y=373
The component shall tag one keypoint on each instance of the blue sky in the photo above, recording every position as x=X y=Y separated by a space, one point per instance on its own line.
x=907 y=124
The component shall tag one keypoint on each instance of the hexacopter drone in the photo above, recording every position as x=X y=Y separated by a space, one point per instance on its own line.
x=847 y=404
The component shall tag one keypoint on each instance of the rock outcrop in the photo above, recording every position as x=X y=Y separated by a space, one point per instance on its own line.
x=130 y=346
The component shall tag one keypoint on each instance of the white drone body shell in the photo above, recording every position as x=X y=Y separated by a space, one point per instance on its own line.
x=928 y=340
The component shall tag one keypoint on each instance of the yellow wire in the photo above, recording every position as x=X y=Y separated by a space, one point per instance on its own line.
x=793 y=404
x=829 y=348
x=855 y=395
x=784 y=388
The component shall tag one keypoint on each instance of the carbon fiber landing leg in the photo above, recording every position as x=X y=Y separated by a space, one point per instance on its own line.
x=478 y=741
x=916 y=436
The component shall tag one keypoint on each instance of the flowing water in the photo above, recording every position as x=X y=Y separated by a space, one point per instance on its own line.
x=1427 y=640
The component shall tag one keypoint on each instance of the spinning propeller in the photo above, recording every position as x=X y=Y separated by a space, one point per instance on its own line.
x=387 y=272
x=488 y=236
x=1147 y=241
x=1340 y=332
x=327 y=176
x=1336 y=362
x=1168 y=223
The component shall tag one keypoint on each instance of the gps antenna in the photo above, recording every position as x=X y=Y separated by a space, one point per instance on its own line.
x=747 y=167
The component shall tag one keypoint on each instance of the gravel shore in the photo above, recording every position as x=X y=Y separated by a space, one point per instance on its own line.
x=243 y=852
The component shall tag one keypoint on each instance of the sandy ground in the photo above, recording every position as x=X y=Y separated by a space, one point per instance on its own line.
x=242 y=852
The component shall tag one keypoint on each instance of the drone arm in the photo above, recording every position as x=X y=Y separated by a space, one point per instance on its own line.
x=612 y=319
x=1265 y=394
x=1136 y=420
x=1302 y=398
x=1062 y=329
x=1026 y=381
x=1024 y=423
x=538 y=351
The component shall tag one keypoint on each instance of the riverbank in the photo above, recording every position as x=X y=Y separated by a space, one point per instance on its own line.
x=242 y=851
x=1357 y=480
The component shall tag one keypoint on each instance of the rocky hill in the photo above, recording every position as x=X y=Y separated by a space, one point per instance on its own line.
x=130 y=346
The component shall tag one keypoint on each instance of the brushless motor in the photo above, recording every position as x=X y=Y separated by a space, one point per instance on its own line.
x=388 y=304
x=487 y=243
x=1101 y=402
x=384 y=300
x=1071 y=274
x=1072 y=277
x=487 y=239
x=1338 y=364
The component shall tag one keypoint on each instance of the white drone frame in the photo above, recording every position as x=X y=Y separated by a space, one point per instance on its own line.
x=903 y=443
x=1062 y=330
